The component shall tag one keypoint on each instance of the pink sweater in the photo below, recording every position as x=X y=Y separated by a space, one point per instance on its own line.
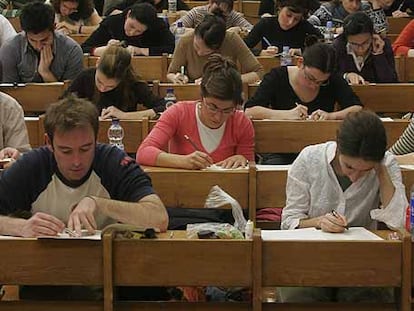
x=180 y=120
x=405 y=40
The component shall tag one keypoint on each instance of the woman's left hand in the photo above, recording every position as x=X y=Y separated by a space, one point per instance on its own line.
x=111 y=112
x=233 y=162
x=67 y=28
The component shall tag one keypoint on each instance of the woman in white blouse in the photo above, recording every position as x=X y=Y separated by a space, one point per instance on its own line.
x=350 y=182
x=6 y=30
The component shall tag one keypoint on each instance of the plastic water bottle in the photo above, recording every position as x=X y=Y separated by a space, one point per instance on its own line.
x=172 y=6
x=170 y=98
x=179 y=31
x=285 y=58
x=116 y=134
x=329 y=32
x=164 y=16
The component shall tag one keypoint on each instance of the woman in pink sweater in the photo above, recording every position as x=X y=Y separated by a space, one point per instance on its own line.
x=201 y=133
x=404 y=44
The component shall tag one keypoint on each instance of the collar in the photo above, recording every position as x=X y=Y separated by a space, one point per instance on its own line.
x=359 y=61
x=27 y=48
x=331 y=151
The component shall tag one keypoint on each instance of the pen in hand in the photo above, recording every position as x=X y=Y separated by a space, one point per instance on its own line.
x=337 y=216
x=192 y=143
x=204 y=155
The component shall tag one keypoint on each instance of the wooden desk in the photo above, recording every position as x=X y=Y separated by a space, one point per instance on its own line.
x=395 y=25
x=250 y=9
x=51 y=262
x=36 y=97
x=330 y=263
x=189 y=188
x=33 y=130
x=190 y=91
x=292 y=136
x=79 y=38
x=183 y=262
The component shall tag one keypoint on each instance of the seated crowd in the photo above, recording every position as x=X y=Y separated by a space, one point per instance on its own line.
x=74 y=182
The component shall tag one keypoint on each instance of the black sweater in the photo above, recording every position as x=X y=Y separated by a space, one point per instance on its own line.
x=158 y=39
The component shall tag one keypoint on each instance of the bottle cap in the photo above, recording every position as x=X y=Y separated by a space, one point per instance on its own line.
x=170 y=90
x=180 y=24
x=286 y=48
x=329 y=24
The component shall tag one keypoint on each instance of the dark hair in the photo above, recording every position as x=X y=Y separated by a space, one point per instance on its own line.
x=212 y=30
x=299 y=6
x=362 y=135
x=69 y=113
x=144 y=13
x=221 y=80
x=115 y=63
x=321 y=56
x=84 y=10
x=357 y=23
x=37 y=17
x=229 y=4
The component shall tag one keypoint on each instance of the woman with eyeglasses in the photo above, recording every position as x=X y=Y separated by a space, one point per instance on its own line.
x=197 y=134
x=308 y=90
x=362 y=55
x=75 y=16
x=288 y=28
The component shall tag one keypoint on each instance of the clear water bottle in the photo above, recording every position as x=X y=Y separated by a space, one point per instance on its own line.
x=172 y=6
x=179 y=31
x=285 y=58
x=116 y=134
x=329 y=32
x=170 y=98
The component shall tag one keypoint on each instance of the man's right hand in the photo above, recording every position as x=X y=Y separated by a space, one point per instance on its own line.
x=41 y=224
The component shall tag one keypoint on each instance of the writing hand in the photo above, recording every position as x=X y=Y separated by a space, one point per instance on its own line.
x=42 y=224
x=333 y=223
x=197 y=160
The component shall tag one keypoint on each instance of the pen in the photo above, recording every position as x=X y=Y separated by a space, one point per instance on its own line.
x=335 y=214
x=191 y=142
x=400 y=6
x=267 y=41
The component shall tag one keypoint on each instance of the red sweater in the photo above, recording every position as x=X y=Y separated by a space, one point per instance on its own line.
x=180 y=120
x=405 y=40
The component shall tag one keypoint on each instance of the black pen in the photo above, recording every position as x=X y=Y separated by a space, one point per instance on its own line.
x=335 y=214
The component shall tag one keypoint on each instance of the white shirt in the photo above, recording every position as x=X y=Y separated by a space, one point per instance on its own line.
x=313 y=190
x=6 y=30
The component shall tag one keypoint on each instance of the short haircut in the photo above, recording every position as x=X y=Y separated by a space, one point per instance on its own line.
x=321 y=56
x=144 y=13
x=221 y=80
x=357 y=23
x=362 y=135
x=299 y=6
x=228 y=4
x=212 y=30
x=69 y=113
x=37 y=17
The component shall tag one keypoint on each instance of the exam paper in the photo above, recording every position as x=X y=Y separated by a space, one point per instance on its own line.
x=215 y=167
x=261 y=167
x=313 y=234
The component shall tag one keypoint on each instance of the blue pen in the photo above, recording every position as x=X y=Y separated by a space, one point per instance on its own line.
x=267 y=41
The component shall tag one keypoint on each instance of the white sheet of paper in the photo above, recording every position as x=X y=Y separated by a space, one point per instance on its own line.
x=85 y=236
x=387 y=119
x=215 y=167
x=261 y=167
x=312 y=234
x=407 y=166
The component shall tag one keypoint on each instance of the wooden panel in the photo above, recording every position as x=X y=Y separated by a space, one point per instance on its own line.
x=409 y=69
x=250 y=10
x=33 y=131
x=268 y=62
x=397 y=24
x=189 y=188
x=292 y=136
x=387 y=97
x=133 y=133
x=149 y=68
x=31 y=262
x=79 y=38
x=183 y=262
x=189 y=91
x=329 y=263
x=35 y=97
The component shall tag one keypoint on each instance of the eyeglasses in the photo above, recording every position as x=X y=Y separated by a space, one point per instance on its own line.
x=213 y=108
x=313 y=79
x=362 y=45
x=69 y=9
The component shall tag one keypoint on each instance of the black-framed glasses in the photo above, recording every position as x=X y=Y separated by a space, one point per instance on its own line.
x=213 y=108
x=313 y=80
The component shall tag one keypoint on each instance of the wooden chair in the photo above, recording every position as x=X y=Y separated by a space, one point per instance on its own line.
x=409 y=69
x=189 y=91
x=35 y=97
x=51 y=262
x=149 y=68
x=15 y=21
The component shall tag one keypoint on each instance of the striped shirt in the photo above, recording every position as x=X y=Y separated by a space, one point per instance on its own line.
x=404 y=144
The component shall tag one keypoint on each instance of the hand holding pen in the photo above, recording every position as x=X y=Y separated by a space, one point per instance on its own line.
x=333 y=222
x=270 y=50
x=300 y=112
x=197 y=159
